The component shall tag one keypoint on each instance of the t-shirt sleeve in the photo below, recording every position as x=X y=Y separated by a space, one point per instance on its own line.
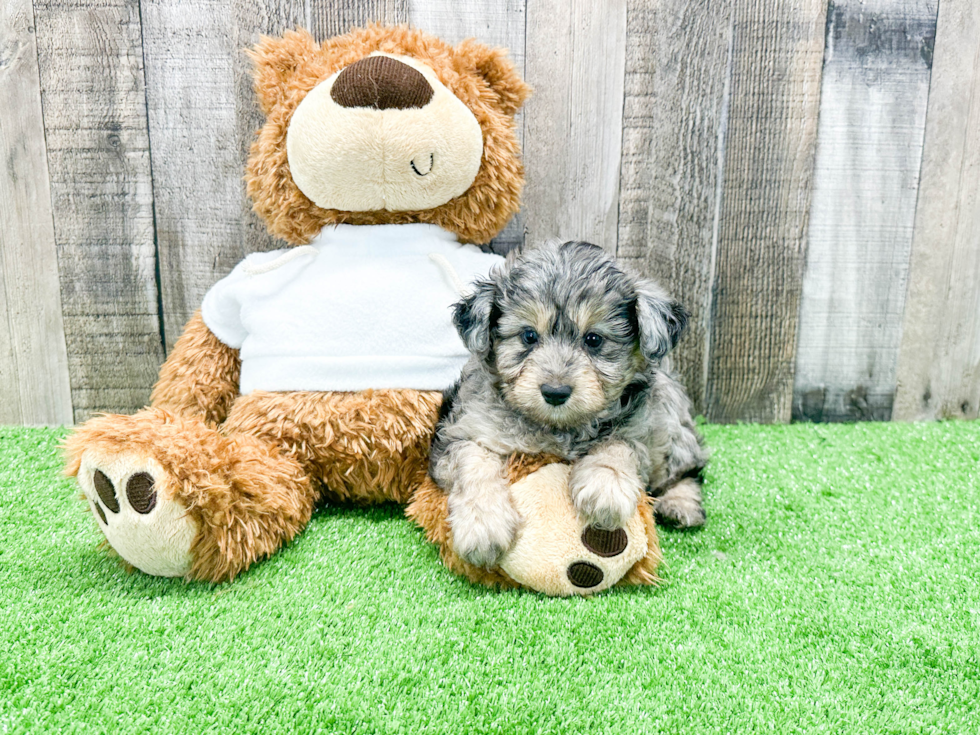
x=475 y=265
x=222 y=306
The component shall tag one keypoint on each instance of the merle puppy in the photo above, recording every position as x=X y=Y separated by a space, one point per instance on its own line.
x=567 y=359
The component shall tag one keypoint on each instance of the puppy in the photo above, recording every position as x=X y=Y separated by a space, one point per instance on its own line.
x=567 y=359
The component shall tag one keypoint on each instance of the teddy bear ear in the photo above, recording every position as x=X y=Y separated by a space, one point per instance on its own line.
x=499 y=73
x=278 y=62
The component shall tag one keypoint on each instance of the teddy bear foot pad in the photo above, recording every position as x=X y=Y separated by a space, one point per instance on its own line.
x=141 y=521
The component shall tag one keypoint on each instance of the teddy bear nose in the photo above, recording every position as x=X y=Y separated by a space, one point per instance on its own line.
x=381 y=82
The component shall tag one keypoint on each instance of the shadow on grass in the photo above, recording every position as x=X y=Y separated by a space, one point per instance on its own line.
x=99 y=568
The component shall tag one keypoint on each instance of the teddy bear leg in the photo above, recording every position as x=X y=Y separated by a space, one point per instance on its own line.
x=364 y=447
x=177 y=498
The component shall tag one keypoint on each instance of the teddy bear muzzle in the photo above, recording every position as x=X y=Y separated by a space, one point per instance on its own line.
x=383 y=133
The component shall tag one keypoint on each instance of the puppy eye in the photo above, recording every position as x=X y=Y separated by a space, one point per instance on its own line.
x=529 y=337
x=593 y=341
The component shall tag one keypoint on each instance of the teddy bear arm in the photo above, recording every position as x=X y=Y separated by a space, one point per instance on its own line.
x=200 y=376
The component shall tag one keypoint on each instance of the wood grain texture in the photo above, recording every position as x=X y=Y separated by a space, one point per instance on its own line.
x=777 y=50
x=34 y=387
x=252 y=19
x=189 y=51
x=94 y=101
x=677 y=68
x=939 y=357
x=334 y=17
x=496 y=23
x=869 y=146
x=575 y=60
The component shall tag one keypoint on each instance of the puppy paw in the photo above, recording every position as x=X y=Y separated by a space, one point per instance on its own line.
x=483 y=526
x=605 y=492
x=681 y=505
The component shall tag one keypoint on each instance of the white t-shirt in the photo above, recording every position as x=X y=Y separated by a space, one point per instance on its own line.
x=361 y=307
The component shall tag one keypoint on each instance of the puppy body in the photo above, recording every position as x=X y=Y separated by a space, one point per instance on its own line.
x=567 y=359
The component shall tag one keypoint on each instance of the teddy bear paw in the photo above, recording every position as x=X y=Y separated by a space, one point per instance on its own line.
x=141 y=520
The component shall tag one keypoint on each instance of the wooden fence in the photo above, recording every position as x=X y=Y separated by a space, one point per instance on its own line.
x=803 y=174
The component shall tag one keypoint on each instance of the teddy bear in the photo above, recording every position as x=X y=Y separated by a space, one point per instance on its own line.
x=315 y=373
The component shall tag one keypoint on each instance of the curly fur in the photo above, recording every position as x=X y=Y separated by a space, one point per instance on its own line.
x=246 y=497
x=200 y=376
x=250 y=469
x=366 y=447
x=287 y=68
x=626 y=423
x=252 y=482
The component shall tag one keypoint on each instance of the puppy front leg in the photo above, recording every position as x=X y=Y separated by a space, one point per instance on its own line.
x=482 y=518
x=605 y=485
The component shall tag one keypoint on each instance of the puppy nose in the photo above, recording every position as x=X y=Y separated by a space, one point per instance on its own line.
x=381 y=82
x=556 y=394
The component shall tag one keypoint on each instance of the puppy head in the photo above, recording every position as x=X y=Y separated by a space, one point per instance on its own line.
x=565 y=331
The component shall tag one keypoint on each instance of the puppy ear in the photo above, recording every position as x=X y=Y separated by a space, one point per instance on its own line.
x=660 y=320
x=277 y=62
x=472 y=317
x=498 y=71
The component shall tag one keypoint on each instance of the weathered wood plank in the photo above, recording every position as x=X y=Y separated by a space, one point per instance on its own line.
x=677 y=67
x=334 y=17
x=777 y=50
x=495 y=23
x=251 y=20
x=575 y=60
x=91 y=62
x=869 y=146
x=34 y=387
x=939 y=358
x=189 y=52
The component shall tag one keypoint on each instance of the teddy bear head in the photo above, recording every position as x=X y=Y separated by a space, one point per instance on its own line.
x=385 y=125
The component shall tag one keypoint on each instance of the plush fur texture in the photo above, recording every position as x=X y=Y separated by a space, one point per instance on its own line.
x=252 y=484
x=370 y=446
x=567 y=360
x=246 y=497
x=252 y=480
x=482 y=78
x=247 y=471
x=200 y=376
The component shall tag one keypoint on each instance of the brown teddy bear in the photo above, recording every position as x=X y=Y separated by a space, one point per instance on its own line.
x=315 y=372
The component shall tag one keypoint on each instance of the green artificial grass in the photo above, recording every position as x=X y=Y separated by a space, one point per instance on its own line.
x=835 y=588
